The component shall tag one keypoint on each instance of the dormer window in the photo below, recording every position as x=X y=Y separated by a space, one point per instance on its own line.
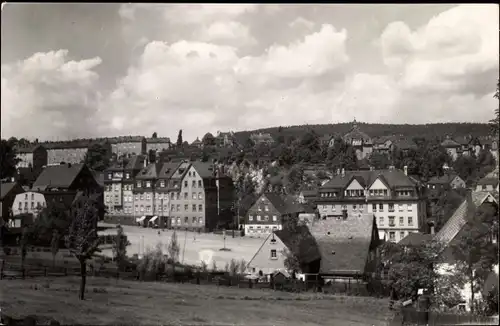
x=138 y=184
x=162 y=184
x=148 y=184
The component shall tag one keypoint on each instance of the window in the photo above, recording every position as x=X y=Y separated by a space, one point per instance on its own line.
x=354 y=207
x=127 y=175
x=266 y=208
x=400 y=207
x=194 y=207
x=200 y=220
x=392 y=236
x=194 y=219
x=110 y=176
x=172 y=208
x=381 y=207
x=401 y=221
x=186 y=220
x=199 y=184
x=194 y=184
x=186 y=207
x=178 y=207
x=275 y=218
x=194 y=174
x=162 y=184
x=138 y=184
x=185 y=195
x=361 y=207
x=32 y=205
x=266 y=218
x=137 y=208
x=273 y=254
x=250 y=217
x=200 y=196
x=142 y=208
x=410 y=221
x=258 y=217
x=178 y=220
x=259 y=208
x=148 y=184
x=159 y=208
x=409 y=207
x=148 y=196
x=194 y=195
x=391 y=221
x=32 y=196
x=189 y=173
x=381 y=220
x=26 y=196
x=160 y=196
x=178 y=196
x=200 y=207
x=391 y=207
x=185 y=183
x=172 y=195
x=20 y=205
x=374 y=206
x=165 y=208
x=148 y=208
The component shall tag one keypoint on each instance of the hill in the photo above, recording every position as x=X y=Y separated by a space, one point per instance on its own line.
x=377 y=130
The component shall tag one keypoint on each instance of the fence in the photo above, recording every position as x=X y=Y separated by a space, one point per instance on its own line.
x=184 y=275
x=411 y=316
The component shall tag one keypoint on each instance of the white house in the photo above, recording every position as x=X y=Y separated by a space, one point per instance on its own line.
x=28 y=202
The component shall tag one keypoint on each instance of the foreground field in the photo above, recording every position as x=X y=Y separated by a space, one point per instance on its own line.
x=123 y=302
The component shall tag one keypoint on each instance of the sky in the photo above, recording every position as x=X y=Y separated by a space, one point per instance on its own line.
x=96 y=70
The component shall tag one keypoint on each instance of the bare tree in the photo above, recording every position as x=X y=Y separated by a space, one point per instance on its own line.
x=54 y=245
x=82 y=240
x=214 y=266
x=173 y=251
x=120 y=244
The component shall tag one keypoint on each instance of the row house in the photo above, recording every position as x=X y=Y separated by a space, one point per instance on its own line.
x=268 y=214
x=184 y=195
x=34 y=156
x=128 y=145
x=397 y=202
x=158 y=144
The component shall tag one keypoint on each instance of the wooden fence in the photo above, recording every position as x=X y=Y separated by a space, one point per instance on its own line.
x=183 y=275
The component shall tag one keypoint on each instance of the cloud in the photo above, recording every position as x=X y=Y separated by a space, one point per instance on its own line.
x=47 y=95
x=300 y=22
x=208 y=13
x=227 y=33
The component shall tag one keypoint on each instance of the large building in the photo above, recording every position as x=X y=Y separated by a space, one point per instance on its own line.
x=72 y=151
x=128 y=145
x=391 y=195
x=29 y=202
x=34 y=156
x=158 y=144
x=361 y=142
x=225 y=139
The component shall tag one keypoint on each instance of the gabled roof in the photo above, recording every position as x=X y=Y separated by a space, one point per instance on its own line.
x=301 y=242
x=158 y=140
x=60 y=176
x=459 y=218
x=445 y=179
x=136 y=162
x=149 y=172
x=28 y=149
x=181 y=170
x=167 y=170
x=415 y=239
x=344 y=244
x=278 y=202
x=450 y=143
x=394 y=178
x=356 y=133
x=6 y=188
x=204 y=169
x=488 y=181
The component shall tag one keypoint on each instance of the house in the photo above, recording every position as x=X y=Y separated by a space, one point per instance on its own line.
x=33 y=156
x=269 y=213
x=270 y=257
x=29 y=202
x=162 y=195
x=197 y=143
x=452 y=147
x=61 y=183
x=383 y=145
x=128 y=145
x=348 y=245
x=225 y=139
x=144 y=190
x=446 y=181
x=361 y=142
x=27 y=176
x=391 y=195
x=308 y=196
x=452 y=228
x=8 y=193
x=158 y=144
x=415 y=239
x=262 y=138
x=488 y=183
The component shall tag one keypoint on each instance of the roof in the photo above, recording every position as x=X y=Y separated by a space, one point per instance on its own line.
x=488 y=181
x=204 y=169
x=301 y=242
x=181 y=170
x=61 y=176
x=277 y=202
x=126 y=139
x=448 y=142
x=158 y=140
x=99 y=177
x=444 y=179
x=168 y=170
x=136 y=162
x=459 y=218
x=6 y=188
x=310 y=193
x=404 y=144
x=394 y=178
x=356 y=133
x=28 y=149
x=344 y=244
x=196 y=141
x=149 y=172
x=415 y=239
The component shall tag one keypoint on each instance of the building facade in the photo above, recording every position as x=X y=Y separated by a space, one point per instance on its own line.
x=9 y=191
x=128 y=145
x=29 y=202
x=33 y=156
x=225 y=139
x=158 y=144
x=396 y=201
x=361 y=142
x=262 y=138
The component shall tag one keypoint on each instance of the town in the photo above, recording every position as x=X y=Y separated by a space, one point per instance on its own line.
x=249 y=164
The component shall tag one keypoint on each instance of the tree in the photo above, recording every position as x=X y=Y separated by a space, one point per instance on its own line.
x=98 y=157
x=152 y=156
x=446 y=205
x=82 y=240
x=292 y=261
x=473 y=249
x=208 y=140
x=174 y=248
x=295 y=177
x=341 y=156
x=54 y=245
x=9 y=160
x=155 y=135
x=120 y=247
x=179 y=139
x=379 y=161
x=52 y=217
x=495 y=121
x=466 y=167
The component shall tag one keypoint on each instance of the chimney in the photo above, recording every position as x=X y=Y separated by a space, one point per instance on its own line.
x=343 y=172
x=405 y=168
x=391 y=167
x=432 y=229
x=145 y=162
x=338 y=171
x=372 y=168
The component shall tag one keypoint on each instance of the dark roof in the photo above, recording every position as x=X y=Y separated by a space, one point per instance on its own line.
x=136 y=162
x=181 y=170
x=99 y=177
x=404 y=144
x=168 y=170
x=278 y=202
x=394 y=178
x=310 y=193
x=344 y=244
x=149 y=172
x=60 y=176
x=126 y=139
x=415 y=239
x=28 y=149
x=444 y=179
x=488 y=181
x=450 y=143
x=459 y=218
x=158 y=140
x=301 y=242
x=204 y=169
x=6 y=188
x=356 y=133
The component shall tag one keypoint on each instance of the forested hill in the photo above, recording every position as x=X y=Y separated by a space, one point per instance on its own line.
x=378 y=130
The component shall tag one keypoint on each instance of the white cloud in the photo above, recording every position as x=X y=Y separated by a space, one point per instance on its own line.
x=301 y=22
x=206 y=13
x=46 y=95
x=227 y=33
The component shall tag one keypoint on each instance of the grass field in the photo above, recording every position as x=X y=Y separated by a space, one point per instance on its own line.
x=194 y=246
x=124 y=302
